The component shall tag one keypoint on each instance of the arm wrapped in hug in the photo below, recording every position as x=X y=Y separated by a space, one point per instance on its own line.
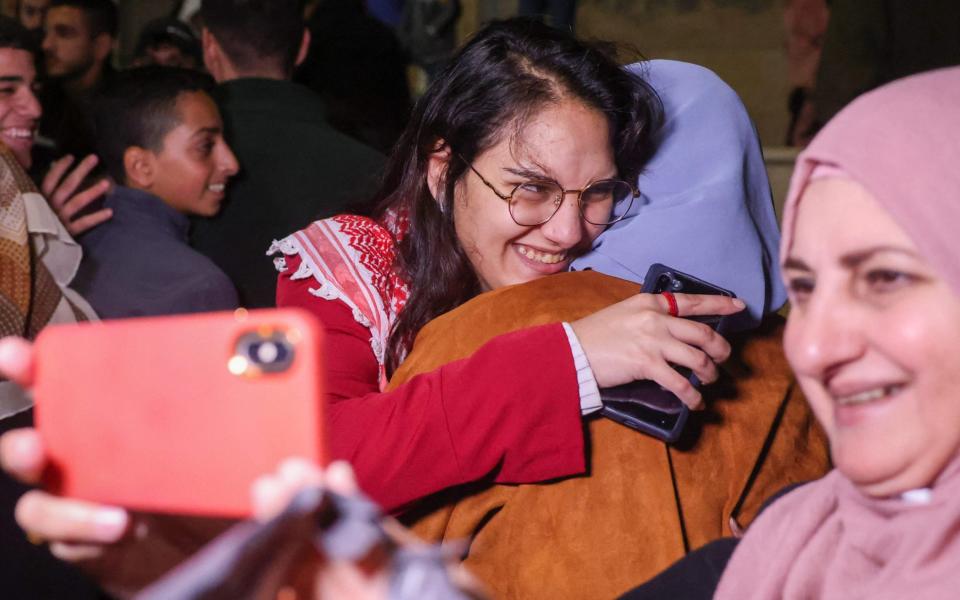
x=601 y=534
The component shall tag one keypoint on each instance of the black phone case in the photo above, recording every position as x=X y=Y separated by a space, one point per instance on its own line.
x=644 y=405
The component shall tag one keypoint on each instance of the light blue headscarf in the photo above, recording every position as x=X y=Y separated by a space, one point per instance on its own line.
x=706 y=209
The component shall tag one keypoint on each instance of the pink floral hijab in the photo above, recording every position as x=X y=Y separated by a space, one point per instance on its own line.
x=826 y=539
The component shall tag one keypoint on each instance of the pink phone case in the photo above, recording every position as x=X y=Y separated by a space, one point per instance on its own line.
x=179 y=414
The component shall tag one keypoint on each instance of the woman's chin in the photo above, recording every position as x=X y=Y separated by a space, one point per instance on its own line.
x=882 y=476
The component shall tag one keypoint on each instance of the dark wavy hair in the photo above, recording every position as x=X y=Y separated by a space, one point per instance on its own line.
x=505 y=74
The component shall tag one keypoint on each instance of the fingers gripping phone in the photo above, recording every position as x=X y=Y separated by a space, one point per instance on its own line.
x=645 y=405
x=178 y=414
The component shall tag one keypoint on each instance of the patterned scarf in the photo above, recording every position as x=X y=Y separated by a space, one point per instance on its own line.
x=351 y=259
x=37 y=261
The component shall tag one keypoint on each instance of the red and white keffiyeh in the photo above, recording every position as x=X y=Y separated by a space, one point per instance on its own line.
x=352 y=260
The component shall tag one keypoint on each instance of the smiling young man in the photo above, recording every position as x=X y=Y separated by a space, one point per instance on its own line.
x=19 y=108
x=162 y=137
x=64 y=186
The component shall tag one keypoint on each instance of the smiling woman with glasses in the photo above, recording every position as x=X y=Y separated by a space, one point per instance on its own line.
x=515 y=160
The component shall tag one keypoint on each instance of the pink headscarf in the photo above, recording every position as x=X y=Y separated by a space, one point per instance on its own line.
x=902 y=143
x=826 y=539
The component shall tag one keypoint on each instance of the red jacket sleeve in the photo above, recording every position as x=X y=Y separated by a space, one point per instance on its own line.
x=511 y=411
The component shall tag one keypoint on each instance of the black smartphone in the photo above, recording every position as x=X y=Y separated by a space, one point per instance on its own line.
x=645 y=405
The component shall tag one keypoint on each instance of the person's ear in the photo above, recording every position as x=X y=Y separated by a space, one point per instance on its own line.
x=304 y=47
x=437 y=170
x=212 y=54
x=102 y=46
x=140 y=166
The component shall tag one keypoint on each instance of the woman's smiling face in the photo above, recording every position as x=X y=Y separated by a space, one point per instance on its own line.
x=566 y=142
x=873 y=337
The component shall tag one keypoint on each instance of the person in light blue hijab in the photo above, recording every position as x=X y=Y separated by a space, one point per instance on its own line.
x=706 y=208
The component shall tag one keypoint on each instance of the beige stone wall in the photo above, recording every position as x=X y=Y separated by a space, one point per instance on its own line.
x=742 y=40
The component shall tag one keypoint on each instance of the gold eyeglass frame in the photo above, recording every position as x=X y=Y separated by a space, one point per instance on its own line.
x=558 y=202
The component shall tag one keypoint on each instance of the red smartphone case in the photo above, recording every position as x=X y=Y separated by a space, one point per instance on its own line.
x=174 y=414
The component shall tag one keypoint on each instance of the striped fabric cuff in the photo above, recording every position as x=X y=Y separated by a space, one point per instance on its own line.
x=589 y=393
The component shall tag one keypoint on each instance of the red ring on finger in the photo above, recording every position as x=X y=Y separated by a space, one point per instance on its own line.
x=672 y=302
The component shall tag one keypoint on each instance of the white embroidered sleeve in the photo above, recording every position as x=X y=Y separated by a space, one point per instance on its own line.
x=589 y=393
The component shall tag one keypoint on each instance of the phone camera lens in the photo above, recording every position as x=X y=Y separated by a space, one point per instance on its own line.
x=668 y=282
x=268 y=353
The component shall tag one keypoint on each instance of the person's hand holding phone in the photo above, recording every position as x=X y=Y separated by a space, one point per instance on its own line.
x=638 y=339
x=121 y=550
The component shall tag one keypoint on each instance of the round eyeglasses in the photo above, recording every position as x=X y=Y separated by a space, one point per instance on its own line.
x=534 y=202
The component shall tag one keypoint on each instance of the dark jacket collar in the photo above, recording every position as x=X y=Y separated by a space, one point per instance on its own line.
x=261 y=93
x=139 y=208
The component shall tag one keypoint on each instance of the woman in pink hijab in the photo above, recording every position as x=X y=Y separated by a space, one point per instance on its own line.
x=871 y=260
x=870 y=255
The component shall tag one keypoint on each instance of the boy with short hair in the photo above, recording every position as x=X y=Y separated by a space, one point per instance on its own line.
x=160 y=137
